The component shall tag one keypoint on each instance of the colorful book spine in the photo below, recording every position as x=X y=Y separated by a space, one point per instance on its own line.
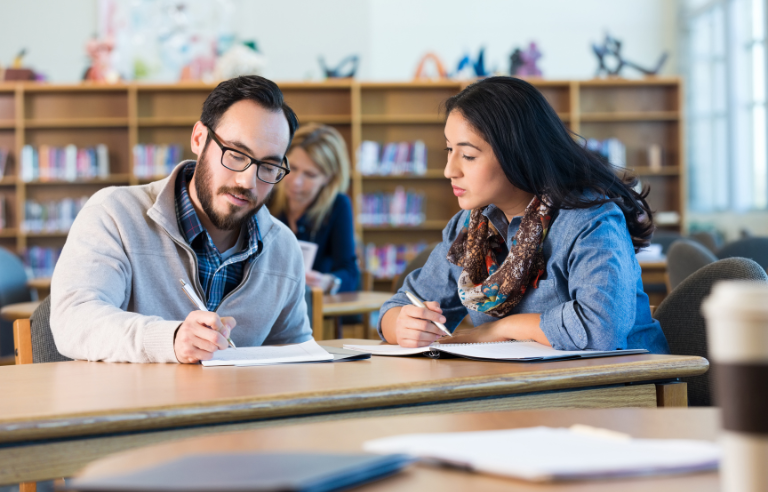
x=155 y=161
x=386 y=261
x=52 y=215
x=401 y=208
x=47 y=163
x=40 y=261
x=392 y=159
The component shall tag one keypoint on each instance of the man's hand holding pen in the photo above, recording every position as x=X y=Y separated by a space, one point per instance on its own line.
x=200 y=335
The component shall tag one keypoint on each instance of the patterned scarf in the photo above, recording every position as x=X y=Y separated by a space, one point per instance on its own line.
x=483 y=285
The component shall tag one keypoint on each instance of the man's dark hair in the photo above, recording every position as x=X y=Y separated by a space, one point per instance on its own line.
x=263 y=92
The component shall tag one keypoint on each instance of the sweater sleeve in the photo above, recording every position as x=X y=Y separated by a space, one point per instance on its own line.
x=342 y=237
x=90 y=289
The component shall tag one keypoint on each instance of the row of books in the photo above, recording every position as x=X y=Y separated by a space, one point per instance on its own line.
x=393 y=158
x=396 y=209
x=611 y=148
x=40 y=261
x=389 y=260
x=51 y=216
x=155 y=160
x=47 y=163
x=3 y=160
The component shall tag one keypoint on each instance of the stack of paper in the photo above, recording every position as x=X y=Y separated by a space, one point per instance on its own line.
x=308 y=351
x=545 y=454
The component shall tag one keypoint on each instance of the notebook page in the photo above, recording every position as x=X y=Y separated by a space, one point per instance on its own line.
x=387 y=349
x=308 y=351
x=524 y=350
x=545 y=454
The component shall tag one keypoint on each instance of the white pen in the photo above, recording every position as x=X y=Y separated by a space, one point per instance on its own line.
x=197 y=302
x=416 y=302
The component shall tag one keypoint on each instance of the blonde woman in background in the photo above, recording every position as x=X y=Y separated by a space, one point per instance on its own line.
x=311 y=200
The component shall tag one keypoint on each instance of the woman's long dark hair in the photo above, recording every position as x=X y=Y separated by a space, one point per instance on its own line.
x=539 y=155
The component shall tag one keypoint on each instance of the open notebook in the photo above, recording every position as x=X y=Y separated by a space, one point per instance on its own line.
x=308 y=351
x=545 y=454
x=511 y=350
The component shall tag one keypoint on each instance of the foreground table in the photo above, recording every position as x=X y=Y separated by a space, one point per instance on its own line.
x=349 y=435
x=70 y=399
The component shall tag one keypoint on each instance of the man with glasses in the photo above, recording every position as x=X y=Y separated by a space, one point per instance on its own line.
x=116 y=293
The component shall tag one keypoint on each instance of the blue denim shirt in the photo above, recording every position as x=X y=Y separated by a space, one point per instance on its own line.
x=591 y=297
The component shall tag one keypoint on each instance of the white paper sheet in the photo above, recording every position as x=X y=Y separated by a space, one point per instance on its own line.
x=308 y=252
x=386 y=349
x=547 y=454
x=308 y=351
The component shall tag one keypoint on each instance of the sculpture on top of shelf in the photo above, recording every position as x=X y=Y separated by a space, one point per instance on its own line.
x=439 y=69
x=100 y=70
x=468 y=69
x=17 y=71
x=523 y=63
x=350 y=63
x=611 y=62
x=241 y=59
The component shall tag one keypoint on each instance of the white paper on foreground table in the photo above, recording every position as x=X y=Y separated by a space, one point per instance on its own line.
x=308 y=351
x=547 y=454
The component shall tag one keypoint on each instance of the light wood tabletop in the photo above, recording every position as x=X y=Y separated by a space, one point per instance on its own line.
x=20 y=310
x=67 y=399
x=42 y=285
x=349 y=436
x=348 y=303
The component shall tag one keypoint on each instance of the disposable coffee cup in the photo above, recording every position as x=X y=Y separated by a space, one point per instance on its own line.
x=737 y=335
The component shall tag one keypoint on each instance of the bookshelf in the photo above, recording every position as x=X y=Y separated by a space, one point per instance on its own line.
x=640 y=113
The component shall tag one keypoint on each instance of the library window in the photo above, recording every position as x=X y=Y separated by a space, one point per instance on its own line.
x=727 y=151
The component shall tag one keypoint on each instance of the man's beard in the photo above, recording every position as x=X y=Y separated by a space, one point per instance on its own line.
x=231 y=221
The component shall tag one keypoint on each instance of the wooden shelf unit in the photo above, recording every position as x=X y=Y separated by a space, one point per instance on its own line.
x=638 y=112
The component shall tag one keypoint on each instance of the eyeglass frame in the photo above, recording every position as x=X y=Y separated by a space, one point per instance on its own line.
x=212 y=136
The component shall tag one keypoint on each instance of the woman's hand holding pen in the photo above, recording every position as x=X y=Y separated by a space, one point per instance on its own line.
x=200 y=335
x=414 y=327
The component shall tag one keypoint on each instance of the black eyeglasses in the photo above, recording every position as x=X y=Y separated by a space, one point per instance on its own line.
x=234 y=160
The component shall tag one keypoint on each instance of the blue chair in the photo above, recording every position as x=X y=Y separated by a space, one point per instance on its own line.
x=13 y=289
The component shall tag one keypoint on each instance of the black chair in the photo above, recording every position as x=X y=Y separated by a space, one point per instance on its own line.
x=683 y=324
x=754 y=248
x=415 y=263
x=710 y=240
x=13 y=289
x=665 y=239
x=685 y=257
x=33 y=338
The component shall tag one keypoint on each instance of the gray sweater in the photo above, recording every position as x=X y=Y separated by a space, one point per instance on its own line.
x=115 y=292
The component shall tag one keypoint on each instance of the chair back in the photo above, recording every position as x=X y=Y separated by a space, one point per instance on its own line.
x=754 y=248
x=665 y=239
x=415 y=263
x=685 y=257
x=313 y=296
x=33 y=338
x=683 y=324
x=13 y=289
x=709 y=239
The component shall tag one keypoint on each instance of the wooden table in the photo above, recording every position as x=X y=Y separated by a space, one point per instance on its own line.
x=350 y=303
x=42 y=285
x=69 y=399
x=12 y=312
x=655 y=273
x=349 y=435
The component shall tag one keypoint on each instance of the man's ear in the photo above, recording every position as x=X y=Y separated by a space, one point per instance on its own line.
x=199 y=137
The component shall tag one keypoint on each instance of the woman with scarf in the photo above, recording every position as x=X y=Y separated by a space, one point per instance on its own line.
x=544 y=247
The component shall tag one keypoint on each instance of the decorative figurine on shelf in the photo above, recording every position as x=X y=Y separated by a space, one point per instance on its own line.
x=16 y=70
x=421 y=72
x=241 y=59
x=352 y=61
x=523 y=63
x=99 y=51
x=609 y=53
x=467 y=69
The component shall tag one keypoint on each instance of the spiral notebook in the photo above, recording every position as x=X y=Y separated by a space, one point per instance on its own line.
x=510 y=350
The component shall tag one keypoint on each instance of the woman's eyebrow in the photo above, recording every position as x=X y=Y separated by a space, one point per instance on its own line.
x=467 y=144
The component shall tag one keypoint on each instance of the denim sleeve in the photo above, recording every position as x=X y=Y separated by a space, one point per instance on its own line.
x=435 y=281
x=602 y=279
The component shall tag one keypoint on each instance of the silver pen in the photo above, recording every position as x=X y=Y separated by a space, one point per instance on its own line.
x=197 y=302
x=416 y=302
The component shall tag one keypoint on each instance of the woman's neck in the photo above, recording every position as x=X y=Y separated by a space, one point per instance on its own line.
x=516 y=205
